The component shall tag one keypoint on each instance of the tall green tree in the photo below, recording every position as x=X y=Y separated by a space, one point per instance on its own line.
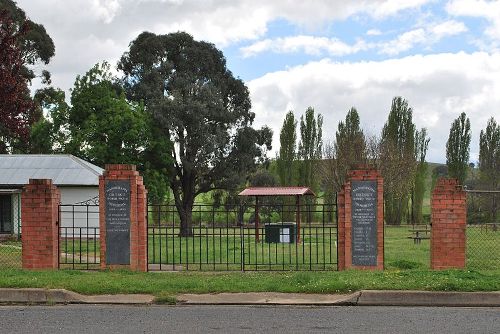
x=310 y=147
x=199 y=105
x=350 y=146
x=458 y=148
x=104 y=126
x=50 y=134
x=397 y=160
x=489 y=163
x=287 y=154
x=421 y=146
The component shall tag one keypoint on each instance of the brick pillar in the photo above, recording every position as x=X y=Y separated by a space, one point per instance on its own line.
x=40 y=236
x=448 y=219
x=373 y=221
x=127 y=228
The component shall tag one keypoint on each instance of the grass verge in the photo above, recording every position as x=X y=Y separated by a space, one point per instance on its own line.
x=164 y=285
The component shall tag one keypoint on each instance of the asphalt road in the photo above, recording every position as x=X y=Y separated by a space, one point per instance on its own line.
x=246 y=319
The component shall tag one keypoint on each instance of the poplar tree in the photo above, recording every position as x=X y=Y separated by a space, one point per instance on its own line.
x=489 y=163
x=397 y=160
x=310 y=146
x=310 y=151
x=287 y=154
x=350 y=146
x=421 y=146
x=458 y=147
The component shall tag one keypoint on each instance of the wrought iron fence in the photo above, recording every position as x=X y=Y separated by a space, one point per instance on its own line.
x=79 y=246
x=228 y=238
x=483 y=229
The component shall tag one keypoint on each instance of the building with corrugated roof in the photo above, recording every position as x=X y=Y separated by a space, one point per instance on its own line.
x=78 y=181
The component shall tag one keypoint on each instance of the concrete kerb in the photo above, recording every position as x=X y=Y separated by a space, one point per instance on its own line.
x=360 y=298
x=62 y=296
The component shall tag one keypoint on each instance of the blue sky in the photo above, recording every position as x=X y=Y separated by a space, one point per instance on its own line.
x=442 y=56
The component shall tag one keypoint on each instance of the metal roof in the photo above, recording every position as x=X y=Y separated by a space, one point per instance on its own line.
x=63 y=169
x=276 y=191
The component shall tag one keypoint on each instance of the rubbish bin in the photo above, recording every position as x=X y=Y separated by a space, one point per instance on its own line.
x=280 y=232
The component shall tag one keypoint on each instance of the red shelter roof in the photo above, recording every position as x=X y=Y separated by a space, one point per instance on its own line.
x=277 y=191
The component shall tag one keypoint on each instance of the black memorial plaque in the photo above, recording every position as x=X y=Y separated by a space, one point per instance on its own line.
x=364 y=223
x=117 y=199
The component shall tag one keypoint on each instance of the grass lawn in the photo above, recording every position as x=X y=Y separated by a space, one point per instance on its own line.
x=170 y=283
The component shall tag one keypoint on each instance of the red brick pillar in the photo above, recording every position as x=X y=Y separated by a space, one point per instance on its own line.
x=448 y=218
x=40 y=236
x=361 y=246
x=124 y=228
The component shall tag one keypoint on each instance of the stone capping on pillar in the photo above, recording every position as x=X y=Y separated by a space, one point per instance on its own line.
x=448 y=225
x=40 y=236
x=344 y=202
x=138 y=222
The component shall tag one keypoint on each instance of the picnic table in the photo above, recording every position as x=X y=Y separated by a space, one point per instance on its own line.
x=417 y=234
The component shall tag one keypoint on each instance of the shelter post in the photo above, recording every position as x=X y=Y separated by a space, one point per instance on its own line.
x=257 y=219
x=298 y=219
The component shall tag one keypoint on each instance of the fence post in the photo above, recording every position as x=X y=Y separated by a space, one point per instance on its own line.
x=360 y=206
x=448 y=221
x=122 y=218
x=40 y=235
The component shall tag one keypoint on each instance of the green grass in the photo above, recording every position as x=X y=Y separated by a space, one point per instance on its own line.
x=403 y=253
x=164 y=285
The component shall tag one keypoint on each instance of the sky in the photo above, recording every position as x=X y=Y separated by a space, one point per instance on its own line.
x=443 y=57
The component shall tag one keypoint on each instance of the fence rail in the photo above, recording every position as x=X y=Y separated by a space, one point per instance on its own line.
x=226 y=238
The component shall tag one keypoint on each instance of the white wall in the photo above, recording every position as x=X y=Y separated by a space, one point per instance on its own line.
x=79 y=220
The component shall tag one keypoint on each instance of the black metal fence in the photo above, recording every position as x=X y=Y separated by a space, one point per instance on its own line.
x=226 y=238
x=79 y=246
x=483 y=229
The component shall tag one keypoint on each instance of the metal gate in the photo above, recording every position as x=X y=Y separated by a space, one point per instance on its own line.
x=79 y=246
x=225 y=238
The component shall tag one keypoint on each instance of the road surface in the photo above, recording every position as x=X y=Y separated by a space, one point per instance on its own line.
x=246 y=319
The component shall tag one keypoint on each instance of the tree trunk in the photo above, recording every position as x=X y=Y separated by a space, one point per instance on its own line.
x=186 y=215
x=184 y=207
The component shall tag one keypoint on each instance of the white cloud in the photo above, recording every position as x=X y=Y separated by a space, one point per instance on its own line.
x=316 y=46
x=391 y=7
x=308 y=44
x=489 y=10
x=429 y=35
x=438 y=87
x=105 y=9
x=404 y=42
x=374 y=32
